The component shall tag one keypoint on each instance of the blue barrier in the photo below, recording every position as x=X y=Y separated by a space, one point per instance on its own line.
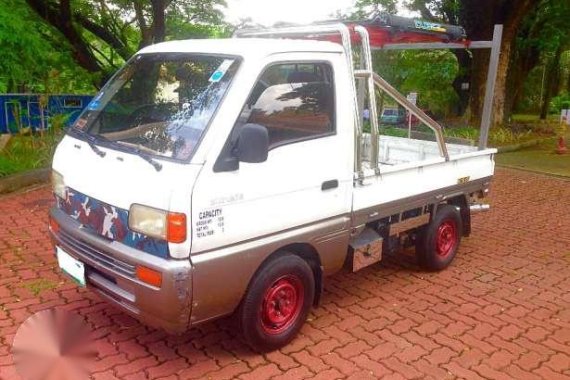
x=24 y=111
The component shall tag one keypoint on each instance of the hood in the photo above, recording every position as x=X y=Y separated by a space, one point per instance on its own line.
x=101 y=190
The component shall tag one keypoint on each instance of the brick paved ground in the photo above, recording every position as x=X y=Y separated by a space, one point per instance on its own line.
x=502 y=310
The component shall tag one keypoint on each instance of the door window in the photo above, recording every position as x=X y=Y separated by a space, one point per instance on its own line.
x=294 y=101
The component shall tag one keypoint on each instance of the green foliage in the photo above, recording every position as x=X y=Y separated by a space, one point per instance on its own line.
x=448 y=11
x=32 y=151
x=364 y=8
x=430 y=73
x=560 y=102
x=31 y=51
x=468 y=133
x=394 y=131
x=179 y=29
x=540 y=46
x=497 y=136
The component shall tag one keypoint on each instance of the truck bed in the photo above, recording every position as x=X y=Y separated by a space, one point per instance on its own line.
x=412 y=173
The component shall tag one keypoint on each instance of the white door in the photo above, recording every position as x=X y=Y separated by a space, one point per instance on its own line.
x=308 y=174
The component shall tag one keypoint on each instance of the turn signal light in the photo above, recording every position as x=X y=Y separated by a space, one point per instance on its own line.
x=149 y=276
x=176 y=227
x=161 y=224
x=53 y=226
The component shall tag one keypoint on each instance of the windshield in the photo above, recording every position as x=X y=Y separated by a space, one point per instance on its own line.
x=160 y=103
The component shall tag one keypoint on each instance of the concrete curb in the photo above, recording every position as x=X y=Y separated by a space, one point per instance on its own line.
x=18 y=181
x=527 y=144
x=543 y=173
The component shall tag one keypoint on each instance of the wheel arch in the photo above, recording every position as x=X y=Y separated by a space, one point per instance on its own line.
x=463 y=204
x=309 y=254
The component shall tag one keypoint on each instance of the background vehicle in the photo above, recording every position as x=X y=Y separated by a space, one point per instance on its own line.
x=393 y=116
x=212 y=177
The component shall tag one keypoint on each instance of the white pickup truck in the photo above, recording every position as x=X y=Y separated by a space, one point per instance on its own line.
x=212 y=177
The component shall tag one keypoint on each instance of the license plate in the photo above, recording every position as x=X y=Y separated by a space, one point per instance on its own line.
x=74 y=268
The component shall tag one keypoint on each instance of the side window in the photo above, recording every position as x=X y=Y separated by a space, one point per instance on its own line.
x=294 y=101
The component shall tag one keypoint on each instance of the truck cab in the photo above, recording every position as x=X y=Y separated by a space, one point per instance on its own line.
x=155 y=152
x=211 y=177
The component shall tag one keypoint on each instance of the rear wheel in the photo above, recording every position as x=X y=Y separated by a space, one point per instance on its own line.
x=438 y=243
x=277 y=302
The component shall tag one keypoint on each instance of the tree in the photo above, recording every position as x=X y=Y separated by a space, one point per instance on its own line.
x=364 y=8
x=104 y=33
x=31 y=52
x=478 y=17
x=541 y=40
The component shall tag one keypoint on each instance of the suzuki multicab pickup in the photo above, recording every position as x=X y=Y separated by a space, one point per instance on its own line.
x=211 y=177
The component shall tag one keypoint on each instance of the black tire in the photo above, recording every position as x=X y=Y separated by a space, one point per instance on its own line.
x=277 y=302
x=438 y=242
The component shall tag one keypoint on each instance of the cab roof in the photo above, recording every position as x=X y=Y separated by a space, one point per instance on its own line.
x=244 y=47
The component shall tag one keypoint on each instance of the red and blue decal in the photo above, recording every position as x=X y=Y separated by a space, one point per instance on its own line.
x=109 y=221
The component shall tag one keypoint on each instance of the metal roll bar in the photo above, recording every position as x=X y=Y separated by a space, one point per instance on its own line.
x=368 y=72
x=404 y=102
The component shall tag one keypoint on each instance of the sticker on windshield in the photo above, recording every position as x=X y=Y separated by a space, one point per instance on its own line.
x=221 y=71
x=95 y=104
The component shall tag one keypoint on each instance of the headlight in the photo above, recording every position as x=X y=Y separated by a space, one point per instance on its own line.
x=57 y=184
x=157 y=223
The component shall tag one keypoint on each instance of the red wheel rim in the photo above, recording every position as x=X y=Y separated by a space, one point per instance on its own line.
x=446 y=238
x=282 y=304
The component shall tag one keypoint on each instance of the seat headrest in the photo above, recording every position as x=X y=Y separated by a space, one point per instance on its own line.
x=303 y=77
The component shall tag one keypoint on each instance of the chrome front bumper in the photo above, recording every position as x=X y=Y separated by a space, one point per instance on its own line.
x=110 y=270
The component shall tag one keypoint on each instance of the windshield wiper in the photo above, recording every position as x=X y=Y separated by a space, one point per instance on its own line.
x=90 y=140
x=157 y=165
x=135 y=148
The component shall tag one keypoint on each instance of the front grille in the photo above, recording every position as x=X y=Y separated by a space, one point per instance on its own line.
x=90 y=252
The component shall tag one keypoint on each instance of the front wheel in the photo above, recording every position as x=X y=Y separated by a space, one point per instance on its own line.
x=277 y=302
x=438 y=242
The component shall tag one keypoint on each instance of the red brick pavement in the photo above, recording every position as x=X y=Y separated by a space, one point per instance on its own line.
x=501 y=311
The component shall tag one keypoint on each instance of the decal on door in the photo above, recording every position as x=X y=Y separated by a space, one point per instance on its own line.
x=210 y=223
x=227 y=199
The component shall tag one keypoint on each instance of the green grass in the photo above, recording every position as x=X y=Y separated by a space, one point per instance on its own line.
x=540 y=158
x=526 y=118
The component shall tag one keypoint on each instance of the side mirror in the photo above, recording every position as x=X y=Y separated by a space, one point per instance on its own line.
x=252 y=144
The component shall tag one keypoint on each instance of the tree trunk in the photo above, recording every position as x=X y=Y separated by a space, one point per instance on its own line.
x=523 y=62
x=61 y=19
x=478 y=85
x=552 y=82
x=158 y=20
x=464 y=76
x=512 y=17
x=478 y=17
x=498 y=110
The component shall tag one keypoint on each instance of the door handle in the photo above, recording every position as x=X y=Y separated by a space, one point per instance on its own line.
x=328 y=185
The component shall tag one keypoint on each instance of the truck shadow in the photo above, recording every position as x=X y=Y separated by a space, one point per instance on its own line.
x=350 y=300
